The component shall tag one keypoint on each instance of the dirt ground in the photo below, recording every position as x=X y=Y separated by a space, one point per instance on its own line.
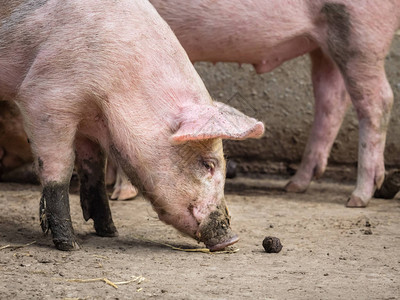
x=329 y=251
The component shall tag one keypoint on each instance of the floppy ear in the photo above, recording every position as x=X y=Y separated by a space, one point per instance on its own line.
x=217 y=120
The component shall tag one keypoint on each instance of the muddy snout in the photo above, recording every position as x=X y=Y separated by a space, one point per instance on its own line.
x=215 y=231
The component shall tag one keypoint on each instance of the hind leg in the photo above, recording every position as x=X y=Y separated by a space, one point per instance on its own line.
x=358 y=41
x=372 y=98
x=123 y=188
x=331 y=102
x=90 y=165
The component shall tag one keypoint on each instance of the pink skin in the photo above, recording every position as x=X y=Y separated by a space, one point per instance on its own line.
x=267 y=33
x=267 y=38
x=114 y=77
x=123 y=189
x=348 y=41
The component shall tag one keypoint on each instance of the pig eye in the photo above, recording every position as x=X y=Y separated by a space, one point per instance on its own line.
x=209 y=165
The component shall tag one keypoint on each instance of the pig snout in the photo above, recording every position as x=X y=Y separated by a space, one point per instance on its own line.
x=215 y=231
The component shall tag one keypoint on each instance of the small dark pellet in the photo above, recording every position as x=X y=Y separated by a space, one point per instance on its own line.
x=272 y=244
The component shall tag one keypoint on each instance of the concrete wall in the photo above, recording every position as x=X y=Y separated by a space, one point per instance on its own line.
x=283 y=100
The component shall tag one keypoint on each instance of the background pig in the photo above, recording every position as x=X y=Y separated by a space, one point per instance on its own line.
x=347 y=42
x=92 y=79
x=14 y=148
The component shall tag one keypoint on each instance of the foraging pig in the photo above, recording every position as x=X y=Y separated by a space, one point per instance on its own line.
x=92 y=79
x=14 y=148
x=347 y=42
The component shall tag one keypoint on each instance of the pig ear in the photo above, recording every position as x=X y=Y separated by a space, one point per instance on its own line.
x=217 y=120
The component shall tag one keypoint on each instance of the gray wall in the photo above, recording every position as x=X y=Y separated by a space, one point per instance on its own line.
x=283 y=100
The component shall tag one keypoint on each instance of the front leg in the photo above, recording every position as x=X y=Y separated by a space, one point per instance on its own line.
x=54 y=168
x=55 y=215
x=90 y=165
x=331 y=103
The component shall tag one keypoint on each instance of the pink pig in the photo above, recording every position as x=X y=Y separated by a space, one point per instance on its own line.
x=347 y=42
x=92 y=80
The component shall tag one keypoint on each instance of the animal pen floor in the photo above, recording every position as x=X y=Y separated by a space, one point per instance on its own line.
x=329 y=251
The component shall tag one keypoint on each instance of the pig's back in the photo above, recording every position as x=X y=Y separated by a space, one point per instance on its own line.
x=79 y=41
x=234 y=30
x=267 y=31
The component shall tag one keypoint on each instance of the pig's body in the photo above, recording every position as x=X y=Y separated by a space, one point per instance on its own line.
x=347 y=41
x=93 y=77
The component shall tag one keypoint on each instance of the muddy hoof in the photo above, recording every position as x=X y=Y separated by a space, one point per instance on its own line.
x=66 y=245
x=272 y=244
x=107 y=231
x=292 y=187
x=355 y=201
x=390 y=187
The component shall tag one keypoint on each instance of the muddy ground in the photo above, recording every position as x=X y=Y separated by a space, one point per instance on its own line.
x=329 y=251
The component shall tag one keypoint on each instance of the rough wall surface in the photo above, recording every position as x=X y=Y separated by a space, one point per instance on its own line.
x=283 y=100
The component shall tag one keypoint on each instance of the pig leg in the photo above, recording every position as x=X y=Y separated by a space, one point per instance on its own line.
x=123 y=188
x=48 y=134
x=363 y=70
x=331 y=102
x=358 y=47
x=90 y=165
x=372 y=98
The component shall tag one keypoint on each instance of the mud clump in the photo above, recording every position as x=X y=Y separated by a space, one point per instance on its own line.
x=272 y=244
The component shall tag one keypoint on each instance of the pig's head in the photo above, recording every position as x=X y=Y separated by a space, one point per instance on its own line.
x=185 y=183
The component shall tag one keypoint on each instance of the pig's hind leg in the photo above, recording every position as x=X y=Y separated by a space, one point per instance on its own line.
x=123 y=188
x=372 y=98
x=331 y=102
x=90 y=165
x=359 y=48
